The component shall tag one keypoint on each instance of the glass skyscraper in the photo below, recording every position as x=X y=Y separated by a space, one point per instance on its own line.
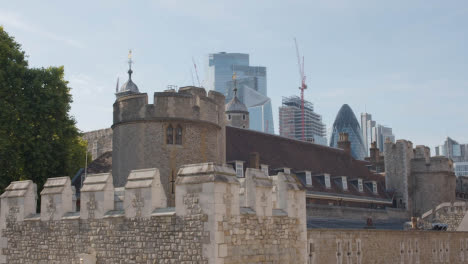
x=251 y=84
x=373 y=132
x=346 y=122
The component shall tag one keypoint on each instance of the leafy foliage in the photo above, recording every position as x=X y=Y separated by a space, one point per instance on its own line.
x=38 y=137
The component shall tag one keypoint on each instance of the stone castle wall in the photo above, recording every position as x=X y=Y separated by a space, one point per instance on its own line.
x=420 y=181
x=208 y=225
x=451 y=214
x=140 y=133
x=434 y=183
x=380 y=246
x=99 y=142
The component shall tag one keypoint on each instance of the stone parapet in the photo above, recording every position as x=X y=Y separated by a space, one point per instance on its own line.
x=97 y=196
x=143 y=193
x=56 y=198
x=207 y=225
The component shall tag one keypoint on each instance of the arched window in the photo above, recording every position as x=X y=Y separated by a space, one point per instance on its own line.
x=178 y=135
x=170 y=135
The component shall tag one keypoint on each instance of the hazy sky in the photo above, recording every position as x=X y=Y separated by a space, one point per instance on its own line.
x=405 y=62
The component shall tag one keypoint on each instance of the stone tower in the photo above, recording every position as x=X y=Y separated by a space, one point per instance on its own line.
x=183 y=127
x=419 y=182
x=398 y=178
x=237 y=114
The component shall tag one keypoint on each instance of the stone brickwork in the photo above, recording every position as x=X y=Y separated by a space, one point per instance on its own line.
x=420 y=182
x=454 y=215
x=206 y=226
x=379 y=246
x=254 y=239
x=146 y=135
x=158 y=239
x=99 y=141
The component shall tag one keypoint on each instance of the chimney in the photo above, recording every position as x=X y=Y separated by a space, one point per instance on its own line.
x=254 y=160
x=344 y=143
x=374 y=152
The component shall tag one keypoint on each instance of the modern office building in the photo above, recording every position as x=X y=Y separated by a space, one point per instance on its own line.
x=346 y=122
x=461 y=168
x=457 y=152
x=290 y=121
x=373 y=132
x=251 y=85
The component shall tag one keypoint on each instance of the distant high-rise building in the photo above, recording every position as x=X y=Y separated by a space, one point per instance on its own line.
x=290 y=121
x=373 y=132
x=346 y=122
x=457 y=152
x=251 y=85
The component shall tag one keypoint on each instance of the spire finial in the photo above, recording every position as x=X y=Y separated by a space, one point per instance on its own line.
x=234 y=79
x=130 y=62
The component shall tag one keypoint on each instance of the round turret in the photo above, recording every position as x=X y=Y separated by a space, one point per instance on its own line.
x=237 y=114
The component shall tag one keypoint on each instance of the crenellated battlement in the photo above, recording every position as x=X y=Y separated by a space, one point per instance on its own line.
x=420 y=181
x=188 y=103
x=207 y=206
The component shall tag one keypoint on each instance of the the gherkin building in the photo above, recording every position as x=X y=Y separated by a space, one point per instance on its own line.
x=346 y=122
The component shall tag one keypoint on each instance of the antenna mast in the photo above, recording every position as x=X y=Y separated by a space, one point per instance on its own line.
x=303 y=85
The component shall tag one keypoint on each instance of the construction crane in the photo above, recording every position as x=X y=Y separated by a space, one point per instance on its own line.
x=300 y=64
x=196 y=71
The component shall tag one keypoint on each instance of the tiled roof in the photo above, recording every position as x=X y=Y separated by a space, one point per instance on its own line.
x=277 y=152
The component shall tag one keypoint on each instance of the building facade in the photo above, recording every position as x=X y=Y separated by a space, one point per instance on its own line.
x=374 y=132
x=290 y=121
x=346 y=122
x=251 y=84
x=457 y=152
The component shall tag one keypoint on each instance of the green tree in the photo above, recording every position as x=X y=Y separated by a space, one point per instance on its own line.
x=38 y=137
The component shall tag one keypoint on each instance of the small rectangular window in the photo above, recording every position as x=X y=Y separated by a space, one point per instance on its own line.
x=327 y=181
x=374 y=187
x=308 y=178
x=239 y=170
x=360 y=186
x=344 y=183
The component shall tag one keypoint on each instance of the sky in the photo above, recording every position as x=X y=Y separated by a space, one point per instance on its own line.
x=404 y=62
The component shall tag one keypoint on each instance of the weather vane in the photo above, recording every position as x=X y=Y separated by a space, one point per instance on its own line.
x=130 y=61
x=234 y=77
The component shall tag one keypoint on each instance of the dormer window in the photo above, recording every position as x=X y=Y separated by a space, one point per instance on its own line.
x=344 y=183
x=170 y=135
x=264 y=169
x=327 y=181
x=360 y=186
x=239 y=169
x=308 y=178
x=374 y=187
x=178 y=135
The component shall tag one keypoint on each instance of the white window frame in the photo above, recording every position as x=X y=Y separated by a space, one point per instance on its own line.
x=374 y=187
x=239 y=169
x=360 y=185
x=344 y=183
x=327 y=181
x=308 y=178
